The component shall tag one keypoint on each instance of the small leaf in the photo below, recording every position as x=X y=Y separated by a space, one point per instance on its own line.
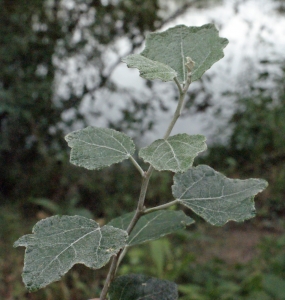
x=57 y=243
x=215 y=197
x=174 y=154
x=150 y=69
x=172 y=47
x=95 y=148
x=138 y=287
x=153 y=225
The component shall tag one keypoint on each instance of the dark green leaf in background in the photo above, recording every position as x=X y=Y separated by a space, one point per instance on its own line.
x=153 y=225
x=275 y=286
x=138 y=287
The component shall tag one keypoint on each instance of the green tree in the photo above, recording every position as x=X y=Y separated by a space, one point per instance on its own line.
x=28 y=39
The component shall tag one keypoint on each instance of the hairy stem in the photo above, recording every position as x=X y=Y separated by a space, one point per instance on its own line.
x=146 y=176
x=110 y=276
x=179 y=107
x=122 y=255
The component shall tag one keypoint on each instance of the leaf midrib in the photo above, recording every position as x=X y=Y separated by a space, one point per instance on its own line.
x=102 y=146
x=218 y=197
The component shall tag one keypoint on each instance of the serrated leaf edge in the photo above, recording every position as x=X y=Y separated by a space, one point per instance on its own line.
x=261 y=182
x=21 y=242
x=222 y=41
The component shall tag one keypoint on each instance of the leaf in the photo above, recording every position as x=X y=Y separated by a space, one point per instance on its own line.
x=215 y=197
x=153 y=225
x=95 y=148
x=138 y=287
x=160 y=253
x=172 y=47
x=57 y=243
x=47 y=204
x=174 y=154
x=150 y=69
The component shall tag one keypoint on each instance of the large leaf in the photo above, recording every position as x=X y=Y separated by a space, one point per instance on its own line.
x=153 y=225
x=138 y=287
x=96 y=148
x=175 y=154
x=57 y=243
x=171 y=47
x=150 y=69
x=215 y=197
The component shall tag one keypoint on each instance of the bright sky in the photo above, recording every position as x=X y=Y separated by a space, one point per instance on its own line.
x=255 y=32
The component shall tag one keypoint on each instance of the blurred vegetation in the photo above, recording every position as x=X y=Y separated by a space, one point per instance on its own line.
x=256 y=146
x=37 y=180
x=185 y=258
x=36 y=39
x=199 y=278
x=38 y=43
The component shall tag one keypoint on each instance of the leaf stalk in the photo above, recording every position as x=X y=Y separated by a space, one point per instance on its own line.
x=135 y=163
x=160 y=207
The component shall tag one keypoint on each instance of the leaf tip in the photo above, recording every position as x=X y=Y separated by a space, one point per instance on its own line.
x=16 y=244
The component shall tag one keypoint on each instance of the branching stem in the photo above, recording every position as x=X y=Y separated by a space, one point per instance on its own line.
x=146 y=176
x=139 y=212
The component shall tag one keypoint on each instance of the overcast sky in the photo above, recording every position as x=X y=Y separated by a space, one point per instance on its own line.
x=255 y=32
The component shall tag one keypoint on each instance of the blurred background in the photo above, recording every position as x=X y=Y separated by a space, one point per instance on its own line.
x=60 y=70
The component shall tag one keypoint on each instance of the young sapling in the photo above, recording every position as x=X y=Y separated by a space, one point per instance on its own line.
x=180 y=54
